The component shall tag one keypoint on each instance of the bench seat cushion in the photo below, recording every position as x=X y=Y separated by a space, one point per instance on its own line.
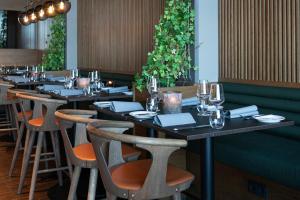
x=269 y=156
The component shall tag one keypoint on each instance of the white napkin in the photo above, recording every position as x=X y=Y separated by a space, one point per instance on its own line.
x=193 y=101
x=112 y=90
x=243 y=112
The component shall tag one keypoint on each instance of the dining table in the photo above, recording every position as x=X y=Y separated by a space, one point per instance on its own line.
x=99 y=96
x=199 y=131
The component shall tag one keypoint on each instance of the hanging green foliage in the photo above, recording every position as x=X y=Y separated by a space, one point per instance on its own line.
x=54 y=57
x=170 y=59
x=3 y=29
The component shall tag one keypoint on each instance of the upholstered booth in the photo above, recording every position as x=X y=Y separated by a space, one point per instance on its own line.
x=272 y=154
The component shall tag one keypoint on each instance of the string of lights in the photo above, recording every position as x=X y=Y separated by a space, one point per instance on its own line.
x=36 y=11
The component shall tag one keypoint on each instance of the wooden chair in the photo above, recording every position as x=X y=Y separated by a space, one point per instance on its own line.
x=143 y=179
x=43 y=120
x=19 y=120
x=82 y=155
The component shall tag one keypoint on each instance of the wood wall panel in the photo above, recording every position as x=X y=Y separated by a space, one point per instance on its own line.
x=20 y=57
x=260 y=41
x=116 y=36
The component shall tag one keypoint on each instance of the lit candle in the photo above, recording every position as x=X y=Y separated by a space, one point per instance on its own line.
x=172 y=102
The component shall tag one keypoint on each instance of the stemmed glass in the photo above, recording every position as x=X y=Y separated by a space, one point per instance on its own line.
x=216 y=96
x=203 y=95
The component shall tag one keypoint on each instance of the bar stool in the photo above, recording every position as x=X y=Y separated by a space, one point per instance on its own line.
x=7 y=123
x=43 y=120
x=19 y=120
x=82 y=154
x=142 y=179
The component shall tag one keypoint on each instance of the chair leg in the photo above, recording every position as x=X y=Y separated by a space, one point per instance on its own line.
x=93 y=184
x=177 y=196
x=110 y=196
x=70 y=168
x=45 y=150
x=30 y=137
x=74 y=183
x=36 y=164
x=55 y=145
x=17 y=149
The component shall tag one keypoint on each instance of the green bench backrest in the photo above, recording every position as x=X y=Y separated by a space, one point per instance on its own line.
x=270 y=100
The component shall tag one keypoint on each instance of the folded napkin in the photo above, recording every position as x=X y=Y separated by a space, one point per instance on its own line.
x=17 y=79
x=71 y=92
x=112 y=90
x=56 y=78
x=51 y=87
x=122 y=106
x=243 y=112
x=174 y=119
x=193 y=101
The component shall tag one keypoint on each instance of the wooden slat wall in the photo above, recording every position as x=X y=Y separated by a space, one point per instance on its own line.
x=115 y=36
x=20 y=57
x=260 y=42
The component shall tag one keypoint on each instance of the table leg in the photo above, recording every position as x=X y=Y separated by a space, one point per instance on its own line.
x=207 y=180
x=75 y=106
x=151 y=133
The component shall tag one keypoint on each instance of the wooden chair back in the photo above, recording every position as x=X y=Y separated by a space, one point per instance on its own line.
x=187 y=91
x=44 y=107
x=4 y=100
x=104 y=143
x=58 y=73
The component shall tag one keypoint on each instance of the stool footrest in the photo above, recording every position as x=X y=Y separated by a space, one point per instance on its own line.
x=52 y=170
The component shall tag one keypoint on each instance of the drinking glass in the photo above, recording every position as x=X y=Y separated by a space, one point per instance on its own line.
x=153 y=86
x=68 y=83
x=216 y=96
x=217 y=118
x=152 y=104
x=203 y=95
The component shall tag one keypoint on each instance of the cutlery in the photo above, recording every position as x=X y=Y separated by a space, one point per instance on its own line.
x=191 y=127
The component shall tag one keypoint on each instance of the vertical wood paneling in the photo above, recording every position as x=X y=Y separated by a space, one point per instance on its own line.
x=260 y=41
x=116 y=36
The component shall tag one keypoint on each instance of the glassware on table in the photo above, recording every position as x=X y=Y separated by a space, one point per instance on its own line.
x=87 y=90
x=216 y=96
x=203 y=95
x=217 y=118
x=68 y=83
x=152 y=104
x=153 y=86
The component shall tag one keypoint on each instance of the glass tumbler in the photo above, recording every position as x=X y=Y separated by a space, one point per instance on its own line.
x=217 y=118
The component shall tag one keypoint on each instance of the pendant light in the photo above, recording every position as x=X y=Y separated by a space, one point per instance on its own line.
x=40 y=13
x=62 y=6
x=23 y=17
x=50 y=9
x=32 y=16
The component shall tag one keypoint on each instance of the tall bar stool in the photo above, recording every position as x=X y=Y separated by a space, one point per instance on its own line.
x=142 y=179
x=82 y=155
x=7 y=122
x=19 y=120
x=43 y=120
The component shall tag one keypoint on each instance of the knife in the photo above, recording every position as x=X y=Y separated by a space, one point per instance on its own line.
x=191 y=127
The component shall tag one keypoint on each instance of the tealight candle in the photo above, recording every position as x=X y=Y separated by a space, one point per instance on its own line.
x=110 y=83
x=172 y=102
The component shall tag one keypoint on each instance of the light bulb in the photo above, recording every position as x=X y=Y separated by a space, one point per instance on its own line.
x=42 y=13
x=25 y=19
x=61 y=5
x=51 y=9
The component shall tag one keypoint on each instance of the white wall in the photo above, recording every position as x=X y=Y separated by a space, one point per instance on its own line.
x=206 y=43
x=71 y=44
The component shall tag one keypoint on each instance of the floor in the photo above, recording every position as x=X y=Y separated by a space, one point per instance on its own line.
x=46 y=185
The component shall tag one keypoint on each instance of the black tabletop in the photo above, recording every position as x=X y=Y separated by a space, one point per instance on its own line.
x=232 y=126
x=96 y=97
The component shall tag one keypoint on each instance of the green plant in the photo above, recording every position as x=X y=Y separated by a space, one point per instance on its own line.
x=3 y=29
x=54 y=57
x=170 y=59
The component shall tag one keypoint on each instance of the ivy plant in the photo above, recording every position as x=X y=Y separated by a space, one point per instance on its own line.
x=3 y=29
x=54 y=57
x=174 y=34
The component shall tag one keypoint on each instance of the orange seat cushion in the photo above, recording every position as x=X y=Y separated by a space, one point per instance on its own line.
x=37 y=121
x=27 y=113
x=131 y=175
x=86 y=151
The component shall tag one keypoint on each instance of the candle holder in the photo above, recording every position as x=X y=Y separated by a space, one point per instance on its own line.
x=172 y=102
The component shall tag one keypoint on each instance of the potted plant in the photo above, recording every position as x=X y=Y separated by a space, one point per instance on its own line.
x=170 y=59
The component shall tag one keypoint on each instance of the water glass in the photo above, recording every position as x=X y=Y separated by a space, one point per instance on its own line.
x=217 y=118
x=216 y=96
x=203 y=95
x=152 y=104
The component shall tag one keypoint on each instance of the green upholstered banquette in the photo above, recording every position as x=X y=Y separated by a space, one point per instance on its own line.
x=273 y=154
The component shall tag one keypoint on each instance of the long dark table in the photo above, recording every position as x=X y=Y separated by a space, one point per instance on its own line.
x=205 y=134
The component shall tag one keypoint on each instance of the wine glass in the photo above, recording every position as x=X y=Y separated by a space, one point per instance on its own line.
x=203 y=95
x=152 y=86
x=217 y=118
x=216 y=96
x=152 y=104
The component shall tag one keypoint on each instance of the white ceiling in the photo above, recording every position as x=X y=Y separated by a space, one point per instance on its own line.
x=12 y=5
